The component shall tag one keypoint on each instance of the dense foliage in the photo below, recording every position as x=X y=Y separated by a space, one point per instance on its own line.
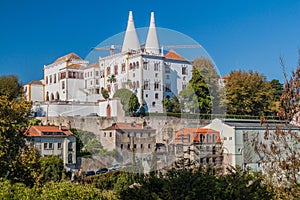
x=128 y=99
x=195 y=98
x=10 y=87
x=247 y=93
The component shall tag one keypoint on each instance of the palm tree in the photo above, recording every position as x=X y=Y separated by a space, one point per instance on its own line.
x=112 y=79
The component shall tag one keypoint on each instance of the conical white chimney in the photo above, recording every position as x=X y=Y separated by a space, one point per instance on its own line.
x=152 y=44
x=131 y=41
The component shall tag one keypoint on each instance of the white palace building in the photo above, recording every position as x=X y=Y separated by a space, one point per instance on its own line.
x=144 y=69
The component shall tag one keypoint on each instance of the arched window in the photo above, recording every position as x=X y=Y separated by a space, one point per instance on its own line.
x=47 y=96
x=213 y=138
x=201 y=138
x=57 y=96
x=70 y=158
x=70 y=146
x=52 y=97
x=207 y=138
x=108 y=111
x=137 y=64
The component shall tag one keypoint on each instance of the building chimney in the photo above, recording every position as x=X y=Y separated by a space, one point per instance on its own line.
x=152 y=44
x=131 y=40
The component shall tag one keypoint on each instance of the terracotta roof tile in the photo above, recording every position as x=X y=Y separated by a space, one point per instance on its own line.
x=194 y=134
x=68 y=57
x=172 y=55
x=38 y=130
x=75 y=66
x=35 y=83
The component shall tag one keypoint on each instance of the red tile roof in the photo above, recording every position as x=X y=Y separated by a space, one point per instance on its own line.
x=68 y=57
x=128 y=126
x=36 y=131
x=194 y=134
x=172 y=55
x=35 y=83
x=75 y=66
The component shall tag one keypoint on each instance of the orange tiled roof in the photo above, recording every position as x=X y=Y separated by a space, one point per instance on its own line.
x=38 y=130
x=172 y=55
x=127 y=126
x=68 y=57
x=75 y=66
x=35 y=83
x=195 y=134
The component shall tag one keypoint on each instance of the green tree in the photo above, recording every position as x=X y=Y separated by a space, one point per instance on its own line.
x=277 y=92
x=171 y=104
x=133 y=104
x=196 y=97
x=52 y=169
x=10 y=86
x=105 y=93
x=247 y=93
x=211 y=77
x=14 y=116
x=128 y=100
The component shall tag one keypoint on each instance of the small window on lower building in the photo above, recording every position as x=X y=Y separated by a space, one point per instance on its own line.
x=59 y=145
x=70 y=158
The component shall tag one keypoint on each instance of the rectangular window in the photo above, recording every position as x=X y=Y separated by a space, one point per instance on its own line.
x=48 y=145
x=97 y=73
x=146 y=85
x=156 y=86
x=59 y=145
x=121 y=146
x=108 y=71
x=167 y=69
x=156 y=66
x=123 y=67
x=149 y=146
x=46 y=79
x=97 y=81
x=145 y=65
x=168 y=87
x=184 y=70
x=54 y=78
x=63 y=85
x=50 y=79
x=156 y=95
x=141 y=146
x=110 y=134
x=116 y=69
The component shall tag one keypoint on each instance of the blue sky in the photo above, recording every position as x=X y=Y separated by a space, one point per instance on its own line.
x=248 y=34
